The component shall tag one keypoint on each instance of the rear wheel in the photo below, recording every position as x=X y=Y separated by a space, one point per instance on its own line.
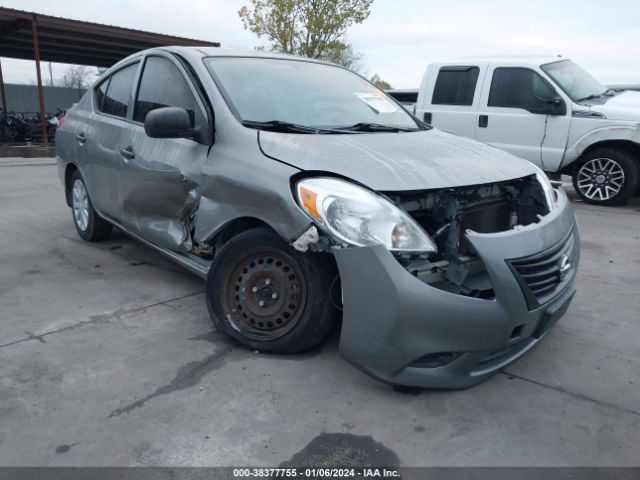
x=269 y=296
x=89 y=224
x=606 y=176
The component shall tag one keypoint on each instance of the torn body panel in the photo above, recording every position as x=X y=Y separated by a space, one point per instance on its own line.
x=235 y=185
x=394 y=321
x=160 y=190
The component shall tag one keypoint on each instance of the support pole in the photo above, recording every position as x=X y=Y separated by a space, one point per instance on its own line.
x=36 y=49
x=2 y=92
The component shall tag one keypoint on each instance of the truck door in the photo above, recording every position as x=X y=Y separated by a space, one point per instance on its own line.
x=449 y=98
x=513 y=111
x=160 y=186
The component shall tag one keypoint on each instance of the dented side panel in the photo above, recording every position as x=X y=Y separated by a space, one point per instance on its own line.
x=160 y=189
x=240 y=182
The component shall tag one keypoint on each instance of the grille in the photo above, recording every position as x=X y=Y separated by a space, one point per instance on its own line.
x=541 y=275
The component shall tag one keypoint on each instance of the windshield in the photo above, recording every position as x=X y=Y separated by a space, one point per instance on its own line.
x=305 y=94
x=576 y=82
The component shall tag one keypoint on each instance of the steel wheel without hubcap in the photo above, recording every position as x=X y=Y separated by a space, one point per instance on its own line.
x=80 y=204
x=600 y=179
x=264 y=293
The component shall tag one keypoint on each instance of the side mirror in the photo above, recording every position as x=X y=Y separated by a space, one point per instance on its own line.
x=553 y=106
x=169 y=122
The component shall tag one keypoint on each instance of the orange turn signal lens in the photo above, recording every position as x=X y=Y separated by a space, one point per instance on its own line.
x=308 y=199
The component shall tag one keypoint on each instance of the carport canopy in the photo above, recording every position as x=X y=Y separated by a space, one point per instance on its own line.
x=32 y=36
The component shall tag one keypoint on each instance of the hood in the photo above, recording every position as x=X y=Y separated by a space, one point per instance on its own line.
x=397 y=161
x=623 y=106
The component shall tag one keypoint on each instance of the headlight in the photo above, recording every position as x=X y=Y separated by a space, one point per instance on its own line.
x=547 y=188
x=359 y=217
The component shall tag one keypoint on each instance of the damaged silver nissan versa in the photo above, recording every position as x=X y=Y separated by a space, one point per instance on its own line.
x=302 y=193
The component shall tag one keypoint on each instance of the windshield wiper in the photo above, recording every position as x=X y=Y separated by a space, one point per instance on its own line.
x=376 y=127
x=288 y=127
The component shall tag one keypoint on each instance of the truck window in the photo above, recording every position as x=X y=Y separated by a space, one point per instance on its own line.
x=519 y=88
x=455 y=86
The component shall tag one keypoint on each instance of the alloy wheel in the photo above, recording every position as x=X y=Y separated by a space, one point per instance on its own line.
x=600 y=179
x=80 y=203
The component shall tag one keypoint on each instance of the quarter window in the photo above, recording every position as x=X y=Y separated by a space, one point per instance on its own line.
x=116 y=100
x=455 y=86
x=100 y=92
x=519 y=88
x=163 y=85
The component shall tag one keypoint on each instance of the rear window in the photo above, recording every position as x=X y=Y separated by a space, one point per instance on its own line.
x=455 y=86
x=116 y=100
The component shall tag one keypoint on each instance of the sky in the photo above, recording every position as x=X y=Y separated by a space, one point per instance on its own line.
x=400 y=38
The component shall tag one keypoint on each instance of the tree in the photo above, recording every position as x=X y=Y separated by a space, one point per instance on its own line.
x=76 y=76
x=346 y=56
x=380 y=83
x=310 y=28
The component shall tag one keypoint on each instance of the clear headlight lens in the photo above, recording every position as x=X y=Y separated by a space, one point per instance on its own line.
x=547 y=188
x=359 y=217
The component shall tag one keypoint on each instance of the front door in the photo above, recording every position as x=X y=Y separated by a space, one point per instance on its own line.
x=512 y=114
x=160 y=187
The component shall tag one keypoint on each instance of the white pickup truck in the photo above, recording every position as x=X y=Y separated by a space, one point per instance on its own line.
x=545 y=109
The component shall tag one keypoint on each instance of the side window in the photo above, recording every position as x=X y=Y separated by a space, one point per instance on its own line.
x=119 y=91
x=99 y=93
x=519 y=88
x=163 y=85
x=455 y=86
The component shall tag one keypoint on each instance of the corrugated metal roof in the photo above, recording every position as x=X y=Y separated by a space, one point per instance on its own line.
x=73 y=41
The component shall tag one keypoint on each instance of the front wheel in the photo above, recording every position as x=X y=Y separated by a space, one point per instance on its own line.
x=606 y=176
x=268 y=296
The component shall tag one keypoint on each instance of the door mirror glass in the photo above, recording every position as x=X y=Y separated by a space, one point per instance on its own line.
x=168 y=122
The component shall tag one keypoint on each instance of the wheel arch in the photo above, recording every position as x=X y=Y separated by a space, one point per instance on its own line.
x=70 y=169
x=627 y=145
x=236 y=226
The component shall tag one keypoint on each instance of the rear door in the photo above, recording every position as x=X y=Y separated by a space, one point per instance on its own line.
x=100 y=137
x=451 y=97
x=512 y=115
x=160 y=186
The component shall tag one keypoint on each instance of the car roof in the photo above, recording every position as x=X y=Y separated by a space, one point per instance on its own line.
x=506 y=59
x=229 y=52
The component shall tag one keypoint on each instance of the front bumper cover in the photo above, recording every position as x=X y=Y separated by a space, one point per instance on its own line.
x=391 y=318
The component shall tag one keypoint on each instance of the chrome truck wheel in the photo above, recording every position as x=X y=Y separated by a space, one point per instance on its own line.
x=606 y=176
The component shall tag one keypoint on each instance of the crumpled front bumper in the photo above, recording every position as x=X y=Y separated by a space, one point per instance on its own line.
x=391 y=319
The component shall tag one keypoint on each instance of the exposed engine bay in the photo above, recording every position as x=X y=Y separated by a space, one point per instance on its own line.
x=446 y=215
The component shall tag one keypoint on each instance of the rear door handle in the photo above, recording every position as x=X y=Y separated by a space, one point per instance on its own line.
x=427 y=117
x=81 y=138
x=127 y=153
x=483 y=121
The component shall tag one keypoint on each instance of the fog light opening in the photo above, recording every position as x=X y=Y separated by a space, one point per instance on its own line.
x=435 y=360
x=517 y=332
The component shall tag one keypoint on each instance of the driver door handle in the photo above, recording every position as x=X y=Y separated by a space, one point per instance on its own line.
x=483 y=121
x=81 y=138
x=127 y=153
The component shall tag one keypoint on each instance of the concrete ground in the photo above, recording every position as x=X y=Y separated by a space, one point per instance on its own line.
x=108 y=357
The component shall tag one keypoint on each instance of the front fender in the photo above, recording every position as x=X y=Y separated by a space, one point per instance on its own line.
x=630 y=132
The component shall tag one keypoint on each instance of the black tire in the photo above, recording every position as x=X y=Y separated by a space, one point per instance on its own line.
x=588 y=173
x=257 y=266
x=96 y=227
